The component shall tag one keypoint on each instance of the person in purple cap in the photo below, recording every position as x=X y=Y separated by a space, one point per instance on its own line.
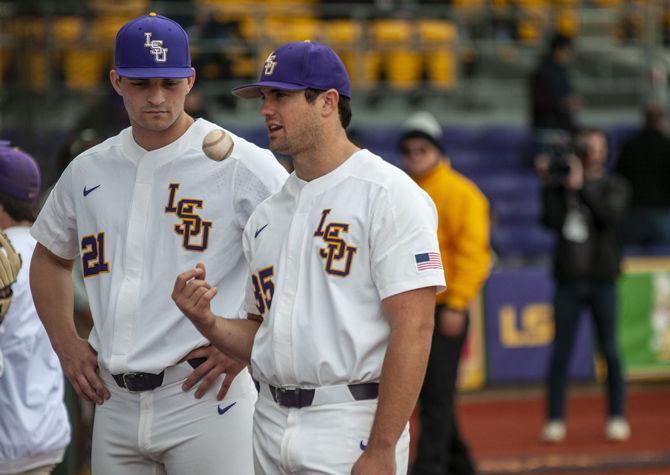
x=35 y=429
x=135 y=209
x=345 y=265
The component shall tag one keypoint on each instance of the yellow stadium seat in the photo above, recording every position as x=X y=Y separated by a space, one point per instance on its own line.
x=36 y=66
x=127 y=8
x=567 y=21
x=437 y=31
x=104 y=28
x=402 y=64
x=533 y=20
x=385 y=32
x=342 y=32
x=437 y=39
x=68 y=29
x=286 y=29
x=607 y=3
x=84 y=68
x=32 y=29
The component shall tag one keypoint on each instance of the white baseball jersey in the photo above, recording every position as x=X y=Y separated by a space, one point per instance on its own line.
x=323 y=255
x=138 y=218
x=34 y=426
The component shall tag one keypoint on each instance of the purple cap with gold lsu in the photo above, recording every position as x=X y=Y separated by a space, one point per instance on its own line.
x=152 y=46
x=300 y=65
x=19 y=174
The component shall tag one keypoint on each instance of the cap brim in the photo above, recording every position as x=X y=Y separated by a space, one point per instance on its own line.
x=252 y=91
x=162 y=73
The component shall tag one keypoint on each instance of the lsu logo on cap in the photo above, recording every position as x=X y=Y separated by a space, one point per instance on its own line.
x=270 y=64
x=155 y=48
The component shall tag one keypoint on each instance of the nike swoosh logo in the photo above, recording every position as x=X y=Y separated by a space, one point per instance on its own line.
x=363 y=446
x=223 y=410
x=86 y=192
x=259 y=230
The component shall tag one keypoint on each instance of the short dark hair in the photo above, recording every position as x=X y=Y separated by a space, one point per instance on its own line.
x=17 y=209
x=343 y=106
x=560 y=41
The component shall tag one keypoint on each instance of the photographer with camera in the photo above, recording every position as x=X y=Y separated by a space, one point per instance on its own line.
x=585 y=206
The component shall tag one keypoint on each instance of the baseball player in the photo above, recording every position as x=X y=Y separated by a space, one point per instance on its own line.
x=134 y=209
x=34 y=426
x=344 y=265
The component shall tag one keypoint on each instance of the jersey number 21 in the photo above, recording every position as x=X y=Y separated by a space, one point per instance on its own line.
x=93 y=255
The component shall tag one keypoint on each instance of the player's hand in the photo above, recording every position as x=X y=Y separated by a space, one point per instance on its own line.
x=216 y=363
x=80 y=365
x=375 y=462
x=193 y=295
x=450 y=322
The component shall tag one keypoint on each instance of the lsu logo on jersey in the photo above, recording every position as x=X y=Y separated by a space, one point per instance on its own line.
x=155 y=48
x=337 y=254
x=193 y=229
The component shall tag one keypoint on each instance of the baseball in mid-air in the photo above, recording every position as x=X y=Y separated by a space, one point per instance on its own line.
x=217 y=145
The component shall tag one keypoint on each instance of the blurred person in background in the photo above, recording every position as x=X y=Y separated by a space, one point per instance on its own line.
x=553 y=100
x=34 y=427
x=463 y=234
x=644 y=161
x=585 y=207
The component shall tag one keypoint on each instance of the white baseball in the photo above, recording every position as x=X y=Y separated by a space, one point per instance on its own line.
x=217 y=145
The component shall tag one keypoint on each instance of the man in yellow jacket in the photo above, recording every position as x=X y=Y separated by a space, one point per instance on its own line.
x=463 y=233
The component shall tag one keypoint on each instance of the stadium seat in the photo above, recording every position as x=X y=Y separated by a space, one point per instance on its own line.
x=284 y=29
x=567 y=21
x=522 y=241
x=84 y=68
x=517 y=212
x=438 y=41
x=532 y=20
x=104 y=28
x=401 y=62
x=68 y=29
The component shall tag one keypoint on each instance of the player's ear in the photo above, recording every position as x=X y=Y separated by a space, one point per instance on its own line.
x=191 y=81
x=115 y=79
x=330 y=100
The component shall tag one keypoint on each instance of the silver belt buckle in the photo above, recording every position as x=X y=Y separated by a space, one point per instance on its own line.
x=288 y=389
x=128 y=375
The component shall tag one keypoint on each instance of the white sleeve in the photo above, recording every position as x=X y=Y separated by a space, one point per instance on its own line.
x=56 y=225
x=405 y=254
x=257 y=176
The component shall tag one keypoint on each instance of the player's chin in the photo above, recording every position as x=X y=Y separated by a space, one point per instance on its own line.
x=279 y=146
x=157 y=121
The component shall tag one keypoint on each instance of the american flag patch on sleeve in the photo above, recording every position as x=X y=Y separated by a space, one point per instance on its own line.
x=428 y=260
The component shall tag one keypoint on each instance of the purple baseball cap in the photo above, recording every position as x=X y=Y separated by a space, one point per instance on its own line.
x=19 y=174
x=300 y=65
x=152 y=46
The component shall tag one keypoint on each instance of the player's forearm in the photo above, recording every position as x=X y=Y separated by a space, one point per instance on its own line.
x=233 y=337
x=402 y=373
x=51 y=288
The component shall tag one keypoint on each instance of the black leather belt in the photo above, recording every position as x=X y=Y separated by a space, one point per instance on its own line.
x=297 y=397
x=147 y=381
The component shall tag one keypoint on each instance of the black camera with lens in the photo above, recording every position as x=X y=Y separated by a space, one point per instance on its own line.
x=559 y=151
